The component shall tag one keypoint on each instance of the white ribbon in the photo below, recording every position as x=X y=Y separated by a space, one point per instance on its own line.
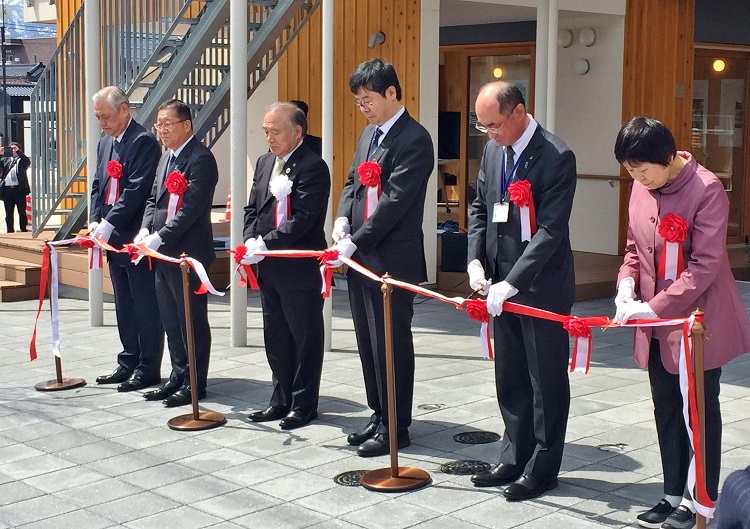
x=53 y=296
x=525 y=223
x=174 y=203
x=371 y=201
x=114 y=184
x=670 y=263
x=95 y=258
x=484 y=335
x=281 y=210
x=581 y=355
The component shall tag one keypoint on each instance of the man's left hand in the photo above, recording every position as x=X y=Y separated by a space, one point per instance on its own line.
x=103 y=231
x=153 y=241
x=497 y=295
x=254 y=246
x=639 y=310
x=346 y=248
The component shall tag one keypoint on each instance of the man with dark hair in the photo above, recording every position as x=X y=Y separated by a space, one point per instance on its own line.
x=293 y=181
x=15 y=186
x=314 y=142
x=534 y=263
x=379 y=224
x=126 y=159
x=178 y=220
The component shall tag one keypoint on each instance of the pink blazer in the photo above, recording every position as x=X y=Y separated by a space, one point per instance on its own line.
x=707 y=282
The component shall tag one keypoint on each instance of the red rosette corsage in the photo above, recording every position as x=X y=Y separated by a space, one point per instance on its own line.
x=114 y=169
x=328 y=256
x=239 y=253
x=520 y=193
x=577 y=327
x=369 y=173
x=477 y=310
x=85 y=243
x=673 y=228
x=176 y=183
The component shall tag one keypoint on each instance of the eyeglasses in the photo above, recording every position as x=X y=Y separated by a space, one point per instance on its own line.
x=494 y=130
x=167 y=126
x=363 y=105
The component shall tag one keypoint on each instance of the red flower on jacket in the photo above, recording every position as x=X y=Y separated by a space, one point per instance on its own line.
x=477 y=310
x=114 y=169
x=176 y=183
x=576 y=327
x=369 y=173
x=673 y=228
x=520 y=193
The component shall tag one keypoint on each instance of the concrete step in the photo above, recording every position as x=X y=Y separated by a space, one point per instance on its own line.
x=14 y=291
x=19 y=271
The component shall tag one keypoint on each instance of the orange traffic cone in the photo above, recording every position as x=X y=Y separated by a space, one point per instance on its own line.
x=228 y=214
x=28 y=210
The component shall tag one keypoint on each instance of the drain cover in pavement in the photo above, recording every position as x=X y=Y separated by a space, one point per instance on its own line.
x=350 y=478
x=476 y=438
x=465 y=467
x=431 y=407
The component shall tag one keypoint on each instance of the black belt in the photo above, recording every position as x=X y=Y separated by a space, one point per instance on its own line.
x=6 y=185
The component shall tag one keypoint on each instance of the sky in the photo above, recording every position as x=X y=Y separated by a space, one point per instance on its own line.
x=16 y=28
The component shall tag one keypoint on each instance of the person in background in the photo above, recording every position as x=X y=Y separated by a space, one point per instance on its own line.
x=15 y=187
x=314 y=142
x=675 y=200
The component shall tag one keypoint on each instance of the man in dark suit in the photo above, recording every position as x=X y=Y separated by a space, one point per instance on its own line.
x=386 y=236
x=314 y=142
x=118 y=199
x=531 y=354
x=15 y=186
x=290 y=176
x=173 y=225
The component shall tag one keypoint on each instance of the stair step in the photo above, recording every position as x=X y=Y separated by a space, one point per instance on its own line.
x=19 y=271
x=13 y=291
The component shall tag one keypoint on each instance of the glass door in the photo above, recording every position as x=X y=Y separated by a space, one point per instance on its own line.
x=718 y=138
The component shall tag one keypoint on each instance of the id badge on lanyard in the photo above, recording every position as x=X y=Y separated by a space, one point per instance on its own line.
x=501 y=210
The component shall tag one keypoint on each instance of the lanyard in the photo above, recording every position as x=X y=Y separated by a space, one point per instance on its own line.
x=505 y=179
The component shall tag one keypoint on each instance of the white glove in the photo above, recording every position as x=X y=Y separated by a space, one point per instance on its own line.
x=341 y=229
x=92 y=227
x=346 y=248
x=253 y=246
x=153 y=241
x=103 y=231
x=639 y=310
x=476 y=277
x=141 y=235
x=497 y=295
x=625 y=291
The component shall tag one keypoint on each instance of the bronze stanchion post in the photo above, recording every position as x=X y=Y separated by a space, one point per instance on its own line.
x=394 y=478
x=196 y=420
x=59 y=383
x=698 y=330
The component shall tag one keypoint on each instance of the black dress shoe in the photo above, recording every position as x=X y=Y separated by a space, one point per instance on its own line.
x=379 y=445
x=527 y=487
x=297 y=419
x=357 y=438
x=162 y=393
x=182 y=397
x=136 y=382
x=115 y=377
x=497 y=475
x=272 y=413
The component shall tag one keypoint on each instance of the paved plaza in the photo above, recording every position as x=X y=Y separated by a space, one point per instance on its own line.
x=95 y=458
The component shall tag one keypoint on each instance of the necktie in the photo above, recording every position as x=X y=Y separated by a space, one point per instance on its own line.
x=509 y=155
x=374 y=143
x=278 y=166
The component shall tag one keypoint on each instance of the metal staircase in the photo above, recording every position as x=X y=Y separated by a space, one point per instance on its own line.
x=154 y=51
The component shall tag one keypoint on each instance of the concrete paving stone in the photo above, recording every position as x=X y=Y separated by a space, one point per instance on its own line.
x=497 y=513
x=65 y=479
x=187 y=517
x=152 y=437
x=341 y=500
x=285 y=516
x=160 y=475
x=239 y=434
x=448 y=497
x=196 y=489
x=308 y=456
x=24 y=434
x=392 y=514
x=33 y=509
x=63 y=441
x=125 y=463
x=563 y=521
x=608 y=510
x=447 y=522
x=18 y=420
x=18 y=452
x=92 y=418
x=134 y=507
x=93 y=452
x=289 y=487
x=335 y=524
x=16 y=491
x=601 y=477
x=118 y=428
x=72 y=520
x=34 y=466
x=254 y=472
x=237 y=503
x=207 y=460
x=99 y=492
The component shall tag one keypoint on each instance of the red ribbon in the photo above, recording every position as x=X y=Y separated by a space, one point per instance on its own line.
x=326 y=270
x=521 y=196
x=673 y=229
x=114 y=171
x=42 y=293
x=369 y=176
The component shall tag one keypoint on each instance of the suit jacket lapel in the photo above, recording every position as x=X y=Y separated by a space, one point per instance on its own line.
x=179 y=165
x=108 y=148
x=531 y=154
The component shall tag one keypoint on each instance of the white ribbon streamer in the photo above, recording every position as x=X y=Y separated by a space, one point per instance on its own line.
x=671 y=259
x=372 y=201
x=174 y=203
x=525 y=223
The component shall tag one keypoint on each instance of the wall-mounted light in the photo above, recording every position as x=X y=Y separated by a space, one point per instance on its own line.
x=375 y=39
x=719 y=65
x=497 y=72
x=581 y=66
x=565 y=38
x=587 y=37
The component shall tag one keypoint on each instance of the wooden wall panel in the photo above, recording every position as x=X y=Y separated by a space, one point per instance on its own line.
x=354 y=22
x=66 y=11
x=657 y=72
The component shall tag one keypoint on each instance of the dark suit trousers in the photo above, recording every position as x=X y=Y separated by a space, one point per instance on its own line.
x=366 y=302
x=138 y=320
x=531 y=375
x=674 y=444
x=293 y=335
x=14 y=199
x=169 y=293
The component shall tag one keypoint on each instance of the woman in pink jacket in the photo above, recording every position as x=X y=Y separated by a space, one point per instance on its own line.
x=671 y=194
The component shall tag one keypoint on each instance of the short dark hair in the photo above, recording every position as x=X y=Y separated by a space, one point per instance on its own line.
x=300 y=105
x=508 y=97
x=376 y=76
x=645 y=140
x=180 y=108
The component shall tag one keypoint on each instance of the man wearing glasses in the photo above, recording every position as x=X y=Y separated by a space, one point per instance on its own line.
x=380 y=226
x=177 y=220
x=531 y=262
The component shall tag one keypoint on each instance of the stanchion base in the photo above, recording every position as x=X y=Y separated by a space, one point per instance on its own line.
x=54 y=385
x=381 y=480
x=205 y=421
